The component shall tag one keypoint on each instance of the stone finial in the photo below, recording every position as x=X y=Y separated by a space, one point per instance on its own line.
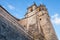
x=42 y=5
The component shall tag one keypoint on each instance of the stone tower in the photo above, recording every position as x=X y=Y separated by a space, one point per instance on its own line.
x=33 y=26
x=38 y=23
x=46 y=24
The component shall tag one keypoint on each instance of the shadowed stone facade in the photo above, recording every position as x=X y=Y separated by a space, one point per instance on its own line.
x=35 y=26
x=9 y=33
x=10 y=29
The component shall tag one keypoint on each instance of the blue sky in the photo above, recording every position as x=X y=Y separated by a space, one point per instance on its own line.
x=19 y=7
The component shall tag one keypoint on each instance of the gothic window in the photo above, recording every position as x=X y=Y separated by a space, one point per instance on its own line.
x=31 y=10
x=39 y=9
x=42 y=8
x=40 y=18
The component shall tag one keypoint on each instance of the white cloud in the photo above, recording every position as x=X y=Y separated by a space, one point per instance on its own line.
x=58 y=37
x=56 y=19
x=11 y=7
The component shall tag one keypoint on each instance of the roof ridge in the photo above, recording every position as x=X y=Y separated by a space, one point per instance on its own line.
x=8 y=12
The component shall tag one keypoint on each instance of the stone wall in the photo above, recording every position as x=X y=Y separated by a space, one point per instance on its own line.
x=47 y=27
x=8 y=31
x=23 y=22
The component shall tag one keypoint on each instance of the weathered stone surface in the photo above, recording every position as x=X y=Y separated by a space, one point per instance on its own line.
x=9 y=33
x=38 y=24
x=35 y=26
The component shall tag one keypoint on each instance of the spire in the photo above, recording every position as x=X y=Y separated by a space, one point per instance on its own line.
x=34 y=3
x=42 y=5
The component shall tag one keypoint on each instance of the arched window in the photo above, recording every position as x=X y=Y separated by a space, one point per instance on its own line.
x=39 y=9
x=42 y=8
x=31 y=10
x=40 y=18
